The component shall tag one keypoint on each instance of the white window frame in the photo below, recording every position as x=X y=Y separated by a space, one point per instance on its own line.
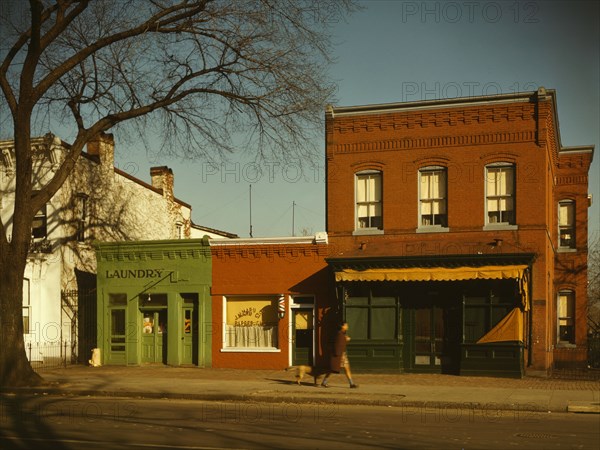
x=225 y=348
x=442 y=201
x=565 y=313
x=369 y=202
x=81 y=216
x=42 y=216
x=502 y=224
x=570 y=225
x=26 y=306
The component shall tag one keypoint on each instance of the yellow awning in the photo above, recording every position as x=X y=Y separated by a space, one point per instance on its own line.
x=510 y=328
x=518 y=272
x=432 y=274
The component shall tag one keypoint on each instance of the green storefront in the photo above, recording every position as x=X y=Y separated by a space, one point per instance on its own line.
x=154 y=303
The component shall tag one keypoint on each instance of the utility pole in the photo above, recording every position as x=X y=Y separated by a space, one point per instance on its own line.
x=250 y=210
x=293 y=212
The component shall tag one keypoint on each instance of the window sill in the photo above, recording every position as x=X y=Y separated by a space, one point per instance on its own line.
x=432 y=229
x=500 y=227
x=250 y=350
x=367 y=231
x=566 y=250
x=565 y=345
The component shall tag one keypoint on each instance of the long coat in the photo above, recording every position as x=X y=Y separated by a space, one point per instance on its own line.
x=339 y=347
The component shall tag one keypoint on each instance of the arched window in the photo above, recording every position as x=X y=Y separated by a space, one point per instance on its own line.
x=500 y=194
x=566 y=317
x=433 y=197
x=566 y=224
x=369 y=204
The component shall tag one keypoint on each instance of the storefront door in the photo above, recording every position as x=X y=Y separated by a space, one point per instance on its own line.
x=437 y=326
x=302 y=336
x=154 y=335
x=190 y=335
x=429 y=335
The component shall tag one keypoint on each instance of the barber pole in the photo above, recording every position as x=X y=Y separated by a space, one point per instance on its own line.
x=281 y=307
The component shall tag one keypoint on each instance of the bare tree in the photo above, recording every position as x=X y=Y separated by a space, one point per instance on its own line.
x=209 y=74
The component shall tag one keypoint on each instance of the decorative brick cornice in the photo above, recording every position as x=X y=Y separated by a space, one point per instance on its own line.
x=571 y=179
x=425 y=119
x=435 y=142
x=289 y=252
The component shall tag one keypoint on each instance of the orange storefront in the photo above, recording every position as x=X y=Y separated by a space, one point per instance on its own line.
x=270 y=298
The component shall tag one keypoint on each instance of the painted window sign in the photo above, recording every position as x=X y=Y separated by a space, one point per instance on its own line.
x=251 y=322
x=137 y=273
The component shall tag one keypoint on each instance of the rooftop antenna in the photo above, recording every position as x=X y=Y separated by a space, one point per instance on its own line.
x=250 y=210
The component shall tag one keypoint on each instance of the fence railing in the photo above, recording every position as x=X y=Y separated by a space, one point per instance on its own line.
x=49 y=355
x=594 y=351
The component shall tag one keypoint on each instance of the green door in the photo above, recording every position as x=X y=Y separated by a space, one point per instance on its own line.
x=429 y=337
x=154 y=336
x=190 y=335
x=302 y=337
x=437 y=334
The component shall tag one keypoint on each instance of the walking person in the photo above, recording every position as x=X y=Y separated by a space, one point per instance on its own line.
x=339 y=357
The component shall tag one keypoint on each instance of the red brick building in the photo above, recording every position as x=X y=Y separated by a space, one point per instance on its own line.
x=272 y=302
x=458 y=234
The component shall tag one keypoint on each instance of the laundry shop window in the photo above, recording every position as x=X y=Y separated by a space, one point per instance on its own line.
x=251 y=323
x=371 y=314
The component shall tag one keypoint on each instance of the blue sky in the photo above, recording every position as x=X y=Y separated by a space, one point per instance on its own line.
x=395 y=51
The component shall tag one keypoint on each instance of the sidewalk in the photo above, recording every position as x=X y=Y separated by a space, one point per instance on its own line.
x=430 y=391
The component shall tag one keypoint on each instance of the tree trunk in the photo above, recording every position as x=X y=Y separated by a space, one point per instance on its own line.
x=15 y=369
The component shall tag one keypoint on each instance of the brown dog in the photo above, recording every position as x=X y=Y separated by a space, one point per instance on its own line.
x=302 y=370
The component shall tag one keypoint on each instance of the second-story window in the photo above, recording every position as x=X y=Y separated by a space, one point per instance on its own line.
x=432 y=197
x=368 y=200
x=500 y=194
x=39 y=227
x=566 y=224
x=81 y=216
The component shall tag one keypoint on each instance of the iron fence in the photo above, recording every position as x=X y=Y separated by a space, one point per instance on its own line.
x=49 y=355
x=594 y=350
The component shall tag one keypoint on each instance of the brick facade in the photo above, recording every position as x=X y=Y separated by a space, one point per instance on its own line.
x=463 y=137
x=269 y=269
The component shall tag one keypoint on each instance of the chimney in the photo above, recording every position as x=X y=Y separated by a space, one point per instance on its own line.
x=162 y=178
x=103 y=146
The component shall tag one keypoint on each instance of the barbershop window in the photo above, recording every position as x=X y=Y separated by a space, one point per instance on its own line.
x=251 y=322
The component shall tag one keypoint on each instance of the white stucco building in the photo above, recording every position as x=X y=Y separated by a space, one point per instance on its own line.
x=98 y=202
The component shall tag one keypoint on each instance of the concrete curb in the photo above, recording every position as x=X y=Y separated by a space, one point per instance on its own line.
x=395 y=400
x=584 y=407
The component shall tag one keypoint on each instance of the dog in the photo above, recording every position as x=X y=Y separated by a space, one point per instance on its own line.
x=302 y=370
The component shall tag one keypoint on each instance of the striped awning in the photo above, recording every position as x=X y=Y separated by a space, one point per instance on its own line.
x=519 y=273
